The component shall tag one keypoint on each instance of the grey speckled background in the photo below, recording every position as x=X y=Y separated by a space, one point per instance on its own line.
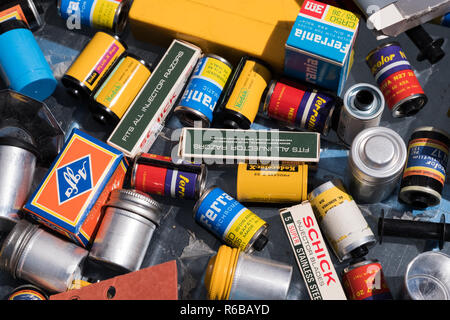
x=180 y=238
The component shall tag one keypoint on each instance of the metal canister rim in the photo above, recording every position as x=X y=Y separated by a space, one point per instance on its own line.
x=121 y=16
x=266 y=101
x=262 y=231
x=29 y=287
x=371 y=113
x=385 y=174
x=184 y=115
x=359 y=264
x=432 y=129
x=217 y=57
x=136 y=202
x=396 y=113
x=201 y=180
x=202 y=197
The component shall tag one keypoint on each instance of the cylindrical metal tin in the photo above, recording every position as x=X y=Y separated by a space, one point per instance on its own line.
x=28 y=11
x=203 y=91
x=27 y=292
x=123 y=83
x=230 y=221
x=281 y=183
x=234 y=275
x=376 y=161
x=396 y=79
x=365 y=280
x=299 y=106
x=23 y=63
x=425 y=171
x=18 y=164
x=99 y=14
x=427 y=277
x=93 y=63
x=154 y=174
x=341 y=220
x=32 y=254
x=129 y=221
x=242 y=96
x=363 y=107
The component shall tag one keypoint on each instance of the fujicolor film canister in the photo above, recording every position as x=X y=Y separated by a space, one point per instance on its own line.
x=93 y=63
x=203 y=91
x=23 y=63
x=396 y=79
x=299 y=106
x=425 y=171
x=116 y=93
x=241 y=99
x=29 y=11
x=230 y=221
x=111 y=15
x=155 y=174
x=283 y=183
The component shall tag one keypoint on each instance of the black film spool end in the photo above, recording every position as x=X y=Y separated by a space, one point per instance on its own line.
x=359 y=252
x=260 y=242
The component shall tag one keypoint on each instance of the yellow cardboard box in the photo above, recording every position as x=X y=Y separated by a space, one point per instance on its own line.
x=228 y=28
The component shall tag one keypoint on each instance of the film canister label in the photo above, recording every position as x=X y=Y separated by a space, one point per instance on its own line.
x=427 y=157
x=228 y=219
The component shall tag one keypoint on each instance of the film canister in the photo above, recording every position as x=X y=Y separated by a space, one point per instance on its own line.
x=425 y=171
x=396 y=79
x=28 y=11
x=233 y=275
x=242 y=96
x=155 y=174
x=299 y=106
x=27 y=292
x=93 y=63
x=24 y=65
x=111 y=15
x=363 y=107
x=203 y=91
x=230 y=221
x=121 y=86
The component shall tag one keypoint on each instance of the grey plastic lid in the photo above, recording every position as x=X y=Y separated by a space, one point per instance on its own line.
x=377 y=154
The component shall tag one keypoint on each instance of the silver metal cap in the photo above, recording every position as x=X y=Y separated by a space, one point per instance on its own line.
x=371 y=108
x=377 y=154
x=137 y=202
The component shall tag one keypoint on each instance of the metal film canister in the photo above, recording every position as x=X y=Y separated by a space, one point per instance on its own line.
x=233 y=275
x=341 y=220
x=32 y=254
x=363 y=108
x=376 y=161
x=18 y=163
x=129 y=221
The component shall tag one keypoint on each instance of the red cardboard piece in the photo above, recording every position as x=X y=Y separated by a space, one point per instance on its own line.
x=153 y=283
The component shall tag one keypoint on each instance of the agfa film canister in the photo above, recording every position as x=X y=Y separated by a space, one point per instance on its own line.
x=155 y=174
x=116 y=93
x=109 y=15
x=283 y=183
x=376 y=161
x=425 y=171
x=203 y=91
x=364 y=280
x=341 y=220
x=93 y=63
x=233 y=275
x=299 y=107
x=363 y=107
x=241 y=99
x=396 y=79
x=230 y=221
x=23 y=63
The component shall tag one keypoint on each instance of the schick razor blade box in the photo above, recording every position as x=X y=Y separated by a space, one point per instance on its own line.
x=311 y=253
x=70 y=197
x=144 y=119
x=320 y=44
x=230 y=146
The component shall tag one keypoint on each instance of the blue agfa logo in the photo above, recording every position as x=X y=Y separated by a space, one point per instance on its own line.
x=74 y=179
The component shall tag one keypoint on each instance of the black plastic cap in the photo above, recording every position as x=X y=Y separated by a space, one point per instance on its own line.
x=359 y=252
x=260 y=242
